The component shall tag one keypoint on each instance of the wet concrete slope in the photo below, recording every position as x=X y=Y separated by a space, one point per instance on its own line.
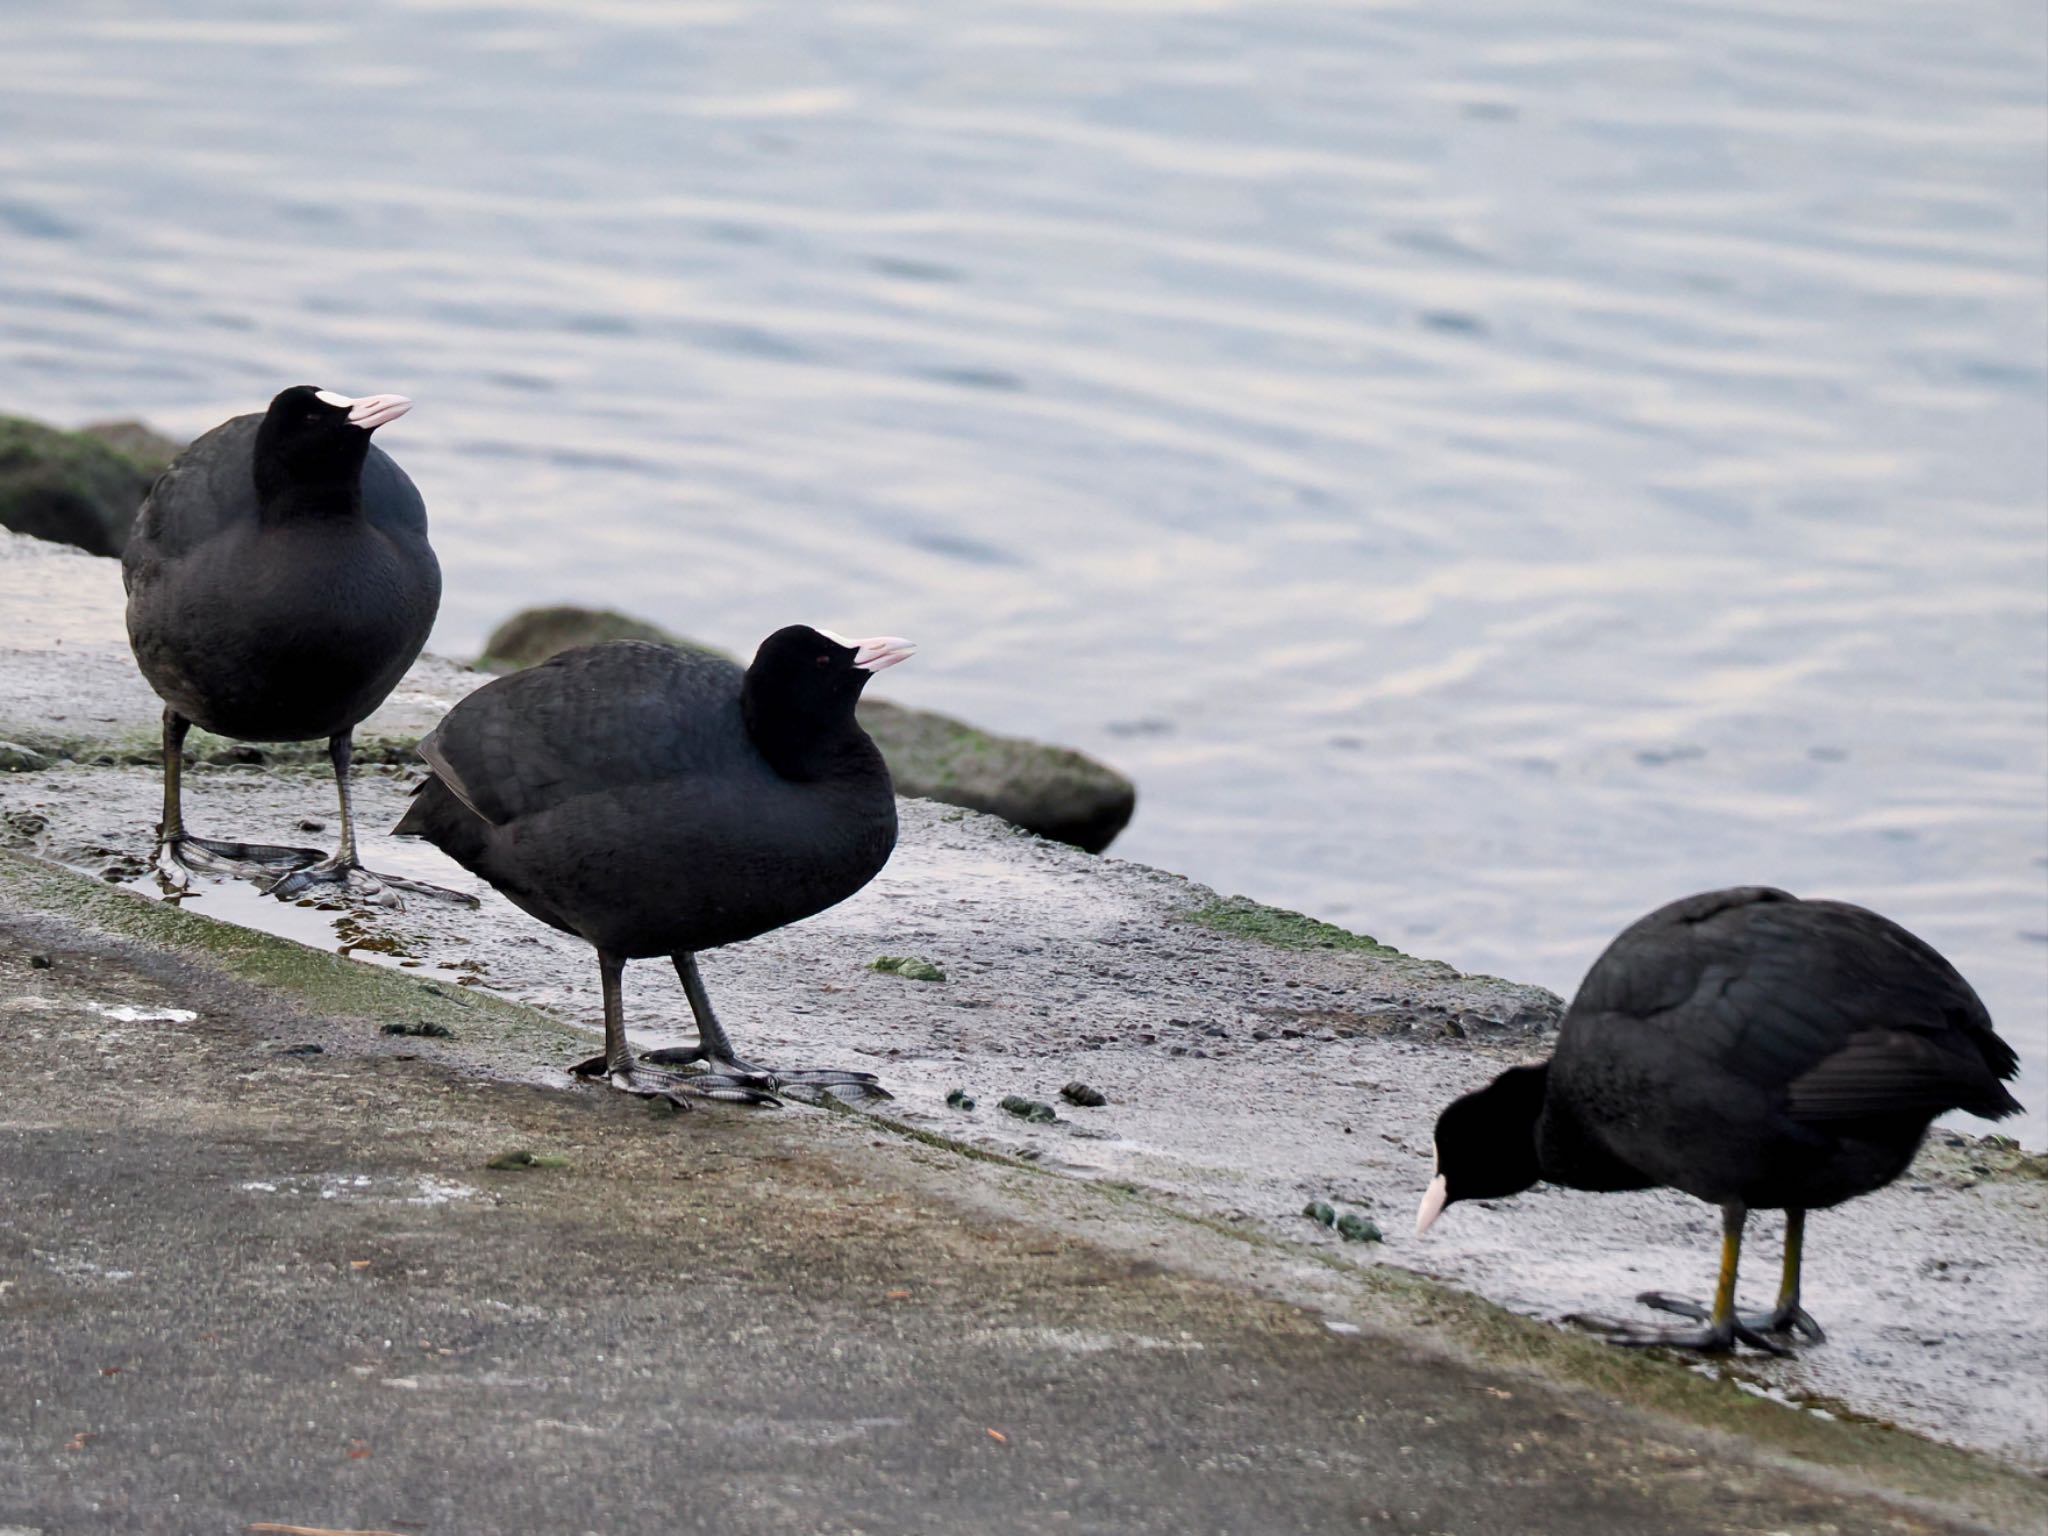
x=1244 y=1078
x=261 y=1262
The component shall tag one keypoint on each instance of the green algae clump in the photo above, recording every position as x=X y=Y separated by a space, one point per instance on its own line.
x=909 y=967
x=1248 y=919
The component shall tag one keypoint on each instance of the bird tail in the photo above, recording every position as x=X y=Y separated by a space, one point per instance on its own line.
x=414 y=823
x=1996 y=1104
x=2004 y=1064
x=443 y=820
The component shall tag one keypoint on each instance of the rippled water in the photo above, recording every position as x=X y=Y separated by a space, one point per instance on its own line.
x=1483 y=469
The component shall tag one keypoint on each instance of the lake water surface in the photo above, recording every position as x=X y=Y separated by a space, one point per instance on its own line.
x=1483 y=469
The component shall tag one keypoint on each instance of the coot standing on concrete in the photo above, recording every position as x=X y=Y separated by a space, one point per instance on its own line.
x=279 y=584
x=655 y=801
x=1757 y=1051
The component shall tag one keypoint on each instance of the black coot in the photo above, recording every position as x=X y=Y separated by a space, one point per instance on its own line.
x=1752 y=1049
x=279 y=584
x=654 y=801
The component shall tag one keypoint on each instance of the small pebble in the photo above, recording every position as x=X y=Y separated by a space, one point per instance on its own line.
x=960 y=1098
x=312 y=824
x=1028 y=1109
x=1080 y=1093
x=1320 y=1211
x=15 y=758
x=426 y=1029
x=1354 y=1228
x=520 y=1157
x=39 y=962
x=302 y=1050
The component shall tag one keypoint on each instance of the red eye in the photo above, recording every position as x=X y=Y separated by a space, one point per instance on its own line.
x=824 y=661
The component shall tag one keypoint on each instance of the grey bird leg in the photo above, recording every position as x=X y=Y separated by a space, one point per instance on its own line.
x=618 y=1068
x=1786 y=1317
x=342 y=867
x=1723 y=1328
x=714 y=1049
x=180 y=855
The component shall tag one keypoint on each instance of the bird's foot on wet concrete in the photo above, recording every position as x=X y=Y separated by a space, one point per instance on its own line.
x=1791 y=1318
x=348 y=881
x=680 y=1088
x=179 y=859
x=776 y=1078
x=1711 y=1338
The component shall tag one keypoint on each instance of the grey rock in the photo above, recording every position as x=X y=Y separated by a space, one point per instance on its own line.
x=15 y=758
x=1354 y=1228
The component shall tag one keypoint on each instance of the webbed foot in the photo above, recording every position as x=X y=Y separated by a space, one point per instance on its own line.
x=680 y=1088
x=356 y=884
x=179 y=859
x=1712 y=1338
x=770 y=1077
x=1788 y=1319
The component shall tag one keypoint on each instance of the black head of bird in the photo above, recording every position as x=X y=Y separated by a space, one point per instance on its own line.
x=800 y=693
x=1486 y=1144
x=312 y=436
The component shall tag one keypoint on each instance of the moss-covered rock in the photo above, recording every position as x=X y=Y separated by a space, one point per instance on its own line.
x=148 y=449
x=1052 y=791
x=79 y=488
x=532 y=635
x=1057 y=793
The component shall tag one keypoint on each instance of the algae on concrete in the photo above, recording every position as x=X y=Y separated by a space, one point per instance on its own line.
x=1248 y=919
x=909 y=967
x=323 y=980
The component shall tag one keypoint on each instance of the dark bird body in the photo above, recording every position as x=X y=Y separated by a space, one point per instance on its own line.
x=654 y=801
x=284 y=627
x=279 y=585
x=615 y=793
x=1757 y=1051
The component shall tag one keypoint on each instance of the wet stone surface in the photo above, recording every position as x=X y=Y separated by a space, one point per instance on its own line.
x=1243 y=1078
x=376 y=1294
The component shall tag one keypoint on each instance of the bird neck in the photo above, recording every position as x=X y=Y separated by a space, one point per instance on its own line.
x=797 y=745
x=299 y=500
x=1570 y=1154
x=295 y=487
x=1515 y=1103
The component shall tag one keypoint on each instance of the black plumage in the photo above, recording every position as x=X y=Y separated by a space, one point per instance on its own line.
x=1757 y=1051
x=279 y=585
x=655 y=801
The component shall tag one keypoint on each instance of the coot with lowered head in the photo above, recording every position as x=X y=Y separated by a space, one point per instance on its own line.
x=279 y=584
x=655 y=801
x=1757 y=1051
